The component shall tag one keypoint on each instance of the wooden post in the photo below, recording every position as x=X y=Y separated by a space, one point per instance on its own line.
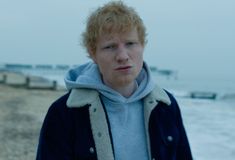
x=27 y=82
x=54 y=85
x=4 y=79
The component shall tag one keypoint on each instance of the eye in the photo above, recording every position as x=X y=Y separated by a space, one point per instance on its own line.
x=130 y=43
x=109 y=47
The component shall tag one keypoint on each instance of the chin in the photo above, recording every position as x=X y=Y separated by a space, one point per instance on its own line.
x=126 y=80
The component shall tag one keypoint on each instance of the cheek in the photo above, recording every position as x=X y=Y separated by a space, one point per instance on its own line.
x=138 y=58
x=104 y=67
x=101 y=61
x=139 y=61
x=139 y=52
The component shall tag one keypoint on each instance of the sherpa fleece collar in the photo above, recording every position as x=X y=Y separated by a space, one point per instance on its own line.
x=82 y=96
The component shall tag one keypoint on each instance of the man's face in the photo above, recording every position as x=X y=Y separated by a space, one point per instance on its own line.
x=119 y=58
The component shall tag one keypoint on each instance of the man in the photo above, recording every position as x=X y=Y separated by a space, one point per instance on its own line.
x=113 y=109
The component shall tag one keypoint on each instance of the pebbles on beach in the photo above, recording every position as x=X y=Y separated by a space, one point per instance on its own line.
x=21 y=114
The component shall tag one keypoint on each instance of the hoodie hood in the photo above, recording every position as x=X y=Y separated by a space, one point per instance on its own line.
x=88 y=76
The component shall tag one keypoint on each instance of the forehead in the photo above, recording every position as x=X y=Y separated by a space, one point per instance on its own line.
x=131 y=34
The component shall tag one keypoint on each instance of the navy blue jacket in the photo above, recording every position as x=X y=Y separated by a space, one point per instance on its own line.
x=76 y=127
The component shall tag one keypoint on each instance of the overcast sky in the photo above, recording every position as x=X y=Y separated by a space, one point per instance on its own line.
x=193 y=36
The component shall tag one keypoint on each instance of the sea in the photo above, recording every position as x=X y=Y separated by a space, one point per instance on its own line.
x=207 y=107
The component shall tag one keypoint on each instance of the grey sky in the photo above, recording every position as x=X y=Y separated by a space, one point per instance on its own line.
x=192 y=36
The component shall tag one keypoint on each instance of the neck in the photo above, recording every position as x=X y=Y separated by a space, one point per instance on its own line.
x=126 y=90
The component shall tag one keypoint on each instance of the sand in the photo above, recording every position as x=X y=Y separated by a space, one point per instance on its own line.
x=21 y=115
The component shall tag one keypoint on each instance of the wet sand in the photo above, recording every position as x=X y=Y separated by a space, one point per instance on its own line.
x=21 y=115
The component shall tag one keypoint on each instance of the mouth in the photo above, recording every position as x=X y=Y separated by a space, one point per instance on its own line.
x=122 y=68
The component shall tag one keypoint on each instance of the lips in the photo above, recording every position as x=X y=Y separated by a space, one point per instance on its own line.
x=123 y=68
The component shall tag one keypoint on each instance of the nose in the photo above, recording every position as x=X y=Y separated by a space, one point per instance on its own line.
x=122 y=54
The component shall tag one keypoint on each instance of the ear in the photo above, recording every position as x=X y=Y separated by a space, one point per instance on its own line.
x=92 y=55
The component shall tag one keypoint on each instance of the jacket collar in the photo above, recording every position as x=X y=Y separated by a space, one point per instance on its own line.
x=82 y=96
x=158 y=95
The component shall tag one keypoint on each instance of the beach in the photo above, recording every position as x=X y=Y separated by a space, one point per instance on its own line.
x=209 y=123
x=210 y=128
x=21 y=115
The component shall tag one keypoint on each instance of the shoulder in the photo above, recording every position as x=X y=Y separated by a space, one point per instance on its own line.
x=61 y=117
x=171 y=112
x=57 y=110
x=59 y=104
x=167 y=106
x=173 y=107
x=61 y=100
x=60 y=110
x=161 y=96
x=172 y=98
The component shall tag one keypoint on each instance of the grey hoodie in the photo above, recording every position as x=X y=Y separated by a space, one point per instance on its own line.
x=125 y=114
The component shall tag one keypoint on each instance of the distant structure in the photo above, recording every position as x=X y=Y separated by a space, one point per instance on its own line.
x=203 y=95
x=43 y=66
x=153 y=68
x=17 y=67
x=164 y=72
x=22 y=68
x=64 y=67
